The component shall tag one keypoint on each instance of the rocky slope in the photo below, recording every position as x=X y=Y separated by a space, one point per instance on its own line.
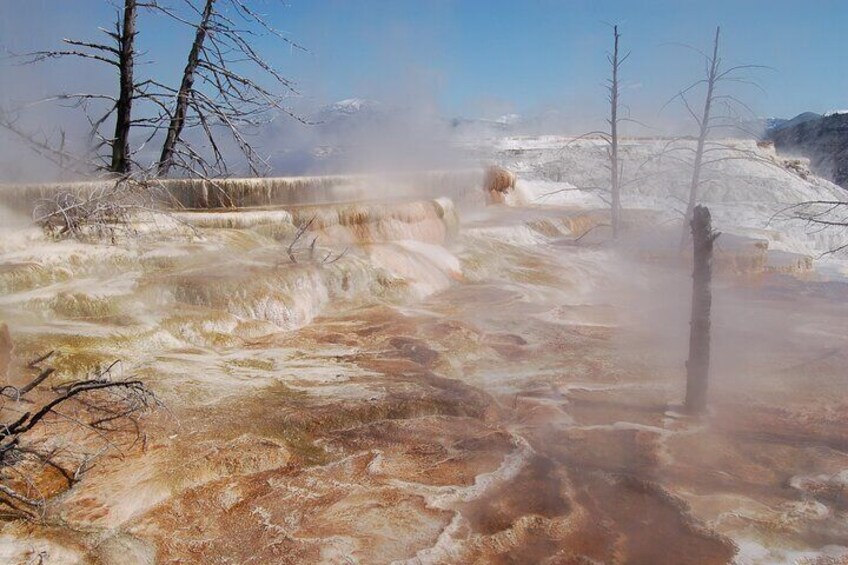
x=824 y=141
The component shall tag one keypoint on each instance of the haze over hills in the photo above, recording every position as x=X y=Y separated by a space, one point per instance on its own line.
x=355 y=113
x=361 y=133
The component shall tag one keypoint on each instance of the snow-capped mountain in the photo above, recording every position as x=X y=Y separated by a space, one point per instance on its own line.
x=350 y=112
x=361 y=134
x=352 y=105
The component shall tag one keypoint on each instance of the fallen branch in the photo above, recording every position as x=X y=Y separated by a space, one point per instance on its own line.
x=292 y=251
x=36 y=440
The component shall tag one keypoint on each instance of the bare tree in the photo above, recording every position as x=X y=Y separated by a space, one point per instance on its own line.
x=821 y=217
x=708 y=120
x=42 y=144
x=61 y=430
x=312 y=257
x=698 y=365
x=102 y=210
x=615 y=165
x=228 y=90
x=218 y=94
x=703 y=131
x=611 y=138
x=125 y=38
x=177 y=122
x=110 y=152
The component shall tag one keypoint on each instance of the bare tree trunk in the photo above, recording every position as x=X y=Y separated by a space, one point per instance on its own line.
x=615 y=181
x=698 y=365
x=704 y=130
x=123 y=108
x=217 y=94
x=177 y=123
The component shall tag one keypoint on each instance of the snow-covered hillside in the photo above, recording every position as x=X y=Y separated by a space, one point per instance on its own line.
x=746 y=186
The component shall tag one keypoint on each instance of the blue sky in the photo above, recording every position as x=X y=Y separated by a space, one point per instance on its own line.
x=546 y=53
x=496 y=56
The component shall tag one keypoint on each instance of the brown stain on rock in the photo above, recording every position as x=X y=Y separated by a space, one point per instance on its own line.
x=497 y=182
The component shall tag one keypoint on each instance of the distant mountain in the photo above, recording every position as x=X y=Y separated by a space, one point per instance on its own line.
x=763 y=128
x=780 y=124
x=350 y=113
x=297 y=149
x=823 y=139
x=351 y=106
x=360 y=134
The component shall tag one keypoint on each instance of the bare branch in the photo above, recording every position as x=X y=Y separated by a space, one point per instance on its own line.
x=23 y=455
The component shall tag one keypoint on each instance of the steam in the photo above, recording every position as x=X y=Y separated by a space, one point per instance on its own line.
x=404 y=81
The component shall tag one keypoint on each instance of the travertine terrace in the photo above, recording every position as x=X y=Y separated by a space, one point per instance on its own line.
x=466 y=384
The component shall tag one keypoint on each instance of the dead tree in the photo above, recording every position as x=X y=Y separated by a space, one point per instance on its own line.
x=51 y=435
x=102 y=211
x=827 y=218
x=615 y=166
x=42 y=144
x=698 y=365
x=292 y=249
x=125 y=38
x=709 y=120
x=177 y=123
x=611 y=138
x=228 y=90
x=218 y=94
x=109 y=153
x=703 y=131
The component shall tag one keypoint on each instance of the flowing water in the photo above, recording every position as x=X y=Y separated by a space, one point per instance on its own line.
x=478 y=385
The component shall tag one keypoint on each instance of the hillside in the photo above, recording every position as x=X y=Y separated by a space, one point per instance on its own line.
x=823 y=140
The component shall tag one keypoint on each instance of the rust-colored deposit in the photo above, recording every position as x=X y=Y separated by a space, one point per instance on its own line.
x=499 y=393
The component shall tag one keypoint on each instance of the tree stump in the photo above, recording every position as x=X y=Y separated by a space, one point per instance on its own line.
x=698 y=365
